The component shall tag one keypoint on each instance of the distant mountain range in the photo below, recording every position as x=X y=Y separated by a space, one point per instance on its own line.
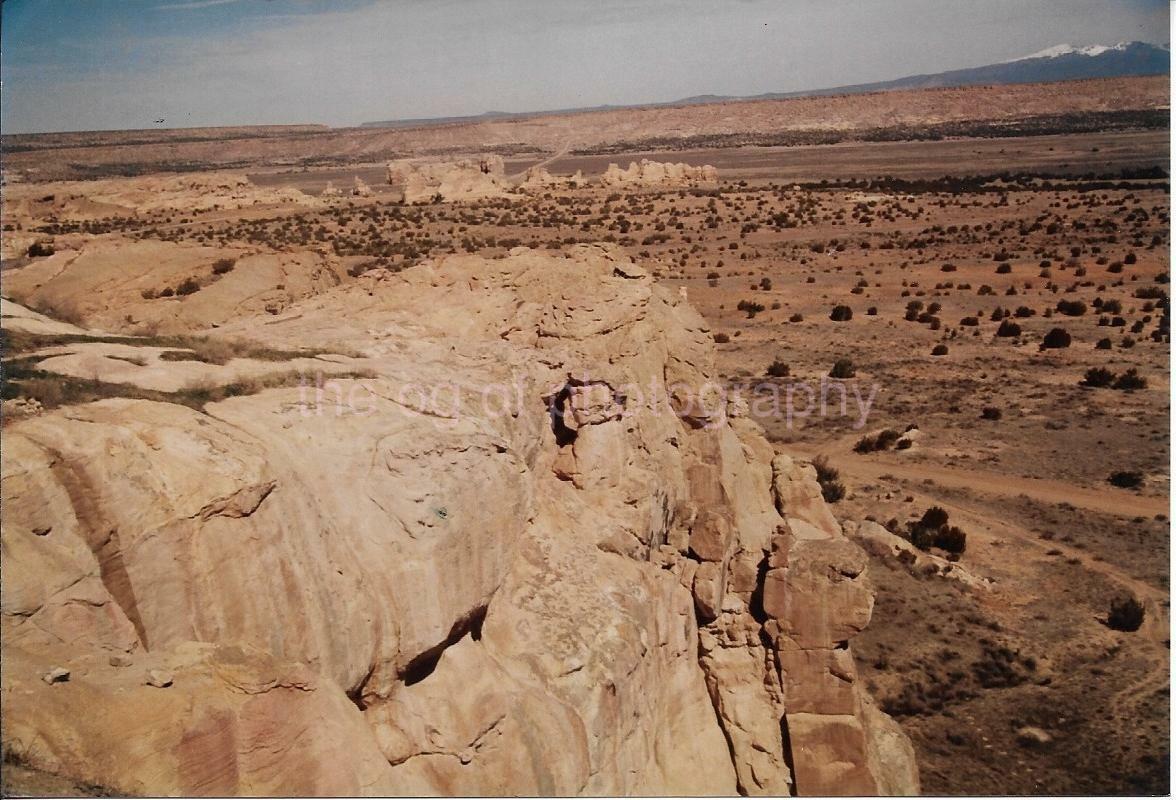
x=1059 y=63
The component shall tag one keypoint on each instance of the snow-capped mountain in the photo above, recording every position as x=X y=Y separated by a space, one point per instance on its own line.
x=1062 y=62
x=1059 y=50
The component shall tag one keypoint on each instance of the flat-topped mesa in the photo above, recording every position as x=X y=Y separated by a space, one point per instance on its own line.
x=467 y=179
x=540 y=551
x=659 y=173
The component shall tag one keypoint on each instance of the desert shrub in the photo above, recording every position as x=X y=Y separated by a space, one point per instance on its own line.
x=1126 y=479
x=750 y=307
x=920 y=537
x=969 y=322
x=932 y=530
x=841 y=314
x=1004 y=269
x=872 y=311
x=1023 y=312
x=939 y=350
x=991 y=413
x=948 y=268
x=722 y=338
x=778 y=369
x=223 y=265
x=40 y=250
x=188 y=286
x=1103 y=344
x=1008 y=328
x=843 y=369
x=1150 y=293
x=934 y=517
x=828 y=476
x=951 y=539
x=796 y=318
x=147 y=294
x=1056 y=339
x=997 y=668
x=881 y=441
x=1071 y=308
x=1130 y=381
x=1126 y=614
x=1098 y=377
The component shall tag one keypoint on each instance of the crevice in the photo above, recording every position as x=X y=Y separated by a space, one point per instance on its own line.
x=423 y=665
x=107 y=551
x=355 y=693
x=712 y=692
x=786 y=740
x=556 y=408
x=756 y=606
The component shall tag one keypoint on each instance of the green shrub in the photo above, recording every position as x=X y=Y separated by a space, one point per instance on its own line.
x=1130 y=381
x=1008 y=329
x=1098 y=377
x=951 y=539
x=778 y=369
x=1126 y=479
x=843 y=369
x=1126 y=614
x=1056 y=339
x=188 y=286
x=828 y=476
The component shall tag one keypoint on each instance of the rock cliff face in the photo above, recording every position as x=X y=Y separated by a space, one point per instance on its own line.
x=538 y=553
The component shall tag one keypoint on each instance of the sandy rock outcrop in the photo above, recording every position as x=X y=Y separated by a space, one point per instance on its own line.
x=95 y=287
x=538 y=179
x=659 y=173
x=881 y=543
x=195 y=192
x=466 y=179
x=511 y=562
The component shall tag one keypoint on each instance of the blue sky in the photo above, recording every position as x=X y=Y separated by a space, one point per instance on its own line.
x=102 y=64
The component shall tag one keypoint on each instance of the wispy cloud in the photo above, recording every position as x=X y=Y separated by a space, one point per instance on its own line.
x=191 y=4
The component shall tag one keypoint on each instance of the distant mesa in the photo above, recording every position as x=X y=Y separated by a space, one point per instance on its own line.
x=1062 y=62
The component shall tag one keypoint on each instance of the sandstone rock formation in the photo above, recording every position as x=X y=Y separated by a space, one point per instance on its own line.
x=93 y=286
x=196 y=192
x=467 y=179
x=659 y=173
x=538 y=178
x=536 y=553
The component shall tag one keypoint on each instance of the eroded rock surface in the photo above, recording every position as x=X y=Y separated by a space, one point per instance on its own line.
x=511 y=562
x=659 y=173
x=466 y=179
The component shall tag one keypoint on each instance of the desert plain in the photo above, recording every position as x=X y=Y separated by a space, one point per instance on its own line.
x=915 y=538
